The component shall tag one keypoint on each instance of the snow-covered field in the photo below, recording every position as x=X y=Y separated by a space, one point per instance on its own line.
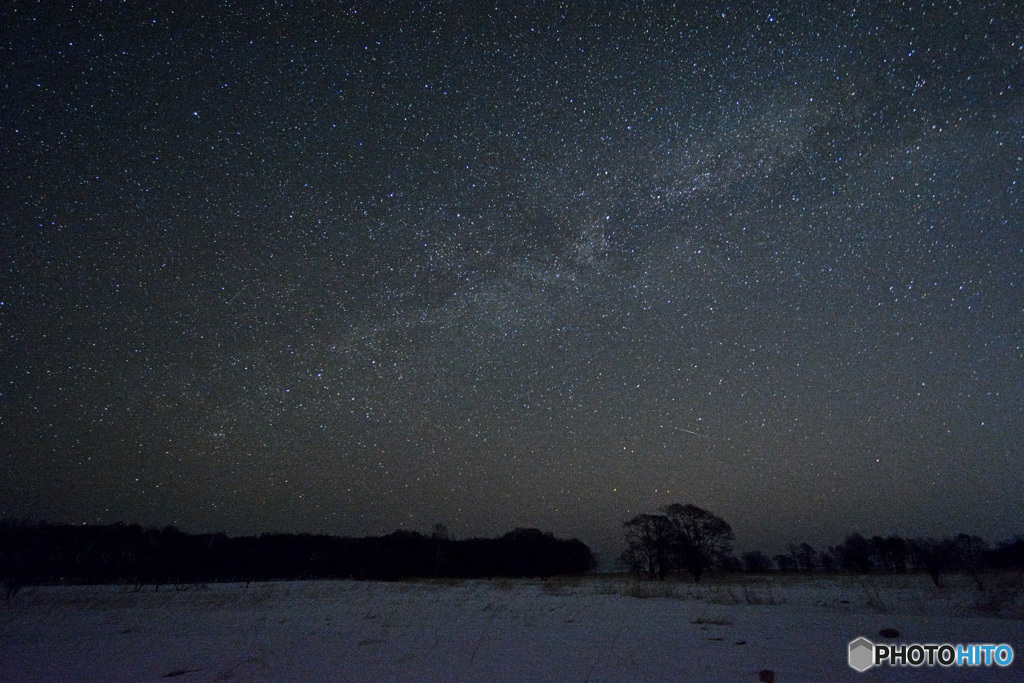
x=592 y=629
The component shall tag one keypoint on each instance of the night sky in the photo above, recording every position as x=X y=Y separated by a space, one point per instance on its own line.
x=363 y=266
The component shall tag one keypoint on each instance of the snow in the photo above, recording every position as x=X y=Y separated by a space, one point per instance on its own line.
x=597 y=628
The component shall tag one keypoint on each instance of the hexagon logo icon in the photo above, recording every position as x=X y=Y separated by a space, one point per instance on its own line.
x=862 y=654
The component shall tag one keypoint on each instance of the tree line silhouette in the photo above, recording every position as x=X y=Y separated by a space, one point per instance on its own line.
x=678 y=539
x=688 y=539
x=963 y=553
x=42 y=553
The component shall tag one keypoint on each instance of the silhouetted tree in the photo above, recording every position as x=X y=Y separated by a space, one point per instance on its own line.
x=756 y=562
x=828 y=561
x=855 y=554
x=527 y=552
x=730 y=563
x=1008 y=554
x=804 y=557
x=969 y=553
x=891 y=552
x=935 y=557
x=697 y=537
x=15 y=556
x=786 y=563
x=440 y=536
x=648 y=538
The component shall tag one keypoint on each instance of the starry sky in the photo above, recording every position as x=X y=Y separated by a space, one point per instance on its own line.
x=361 y=266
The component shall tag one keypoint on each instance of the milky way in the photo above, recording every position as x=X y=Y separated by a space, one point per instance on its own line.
x=382 y=265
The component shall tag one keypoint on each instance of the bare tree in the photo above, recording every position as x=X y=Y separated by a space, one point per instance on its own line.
x=756 y=562
x=828 y=560
x=698 y=537
x=806 y=557
x=969 y=553
x=892 y=552
x=935 y=557
x=439 y=535
x=648 y=538
x=803 y=556
x=785 y=562
x=855 y=553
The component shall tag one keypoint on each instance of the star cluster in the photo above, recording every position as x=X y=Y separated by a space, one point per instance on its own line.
x=386 y=264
